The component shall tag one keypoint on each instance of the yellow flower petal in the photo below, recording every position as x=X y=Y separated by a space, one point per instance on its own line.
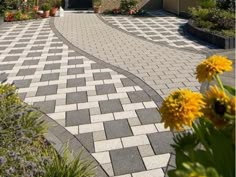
x=212 y=66
x=217 y=103
x=181 y=108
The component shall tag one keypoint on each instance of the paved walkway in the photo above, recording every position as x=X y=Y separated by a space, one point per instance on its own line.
x=163 y=68
x=163 y=28
x=113 y=117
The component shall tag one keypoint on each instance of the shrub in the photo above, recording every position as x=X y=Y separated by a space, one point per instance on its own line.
x=207 y=3
x=223 y=19
x=8 y=16
x=199 y=13
x=218 y=20
x=226 y=5
x=45 y=7
x=127 y=5
x=97 y=2
x=11 y=98
x=56 y=3
x=22 y=145
x=23 y=149
x=204 y=24
x=18 y=15
x=63 y=167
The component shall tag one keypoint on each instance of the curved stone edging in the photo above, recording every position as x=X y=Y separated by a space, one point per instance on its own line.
x=60 y=138
x=218 y=40
x=144 y=39
x=149 y=90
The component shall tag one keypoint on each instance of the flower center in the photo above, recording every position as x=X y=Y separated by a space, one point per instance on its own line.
x=220 y=108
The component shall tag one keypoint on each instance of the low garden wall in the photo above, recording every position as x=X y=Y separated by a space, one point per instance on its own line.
x=220 y=41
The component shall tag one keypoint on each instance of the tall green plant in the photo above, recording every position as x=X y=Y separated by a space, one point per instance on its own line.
x=62 y=166
x=207 y=3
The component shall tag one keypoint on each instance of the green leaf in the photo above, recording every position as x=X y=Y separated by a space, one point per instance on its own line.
x=230 y=89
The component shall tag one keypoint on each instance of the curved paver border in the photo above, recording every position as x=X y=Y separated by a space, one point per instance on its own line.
x=149 y=90
x=143 y=38
x=60 y=138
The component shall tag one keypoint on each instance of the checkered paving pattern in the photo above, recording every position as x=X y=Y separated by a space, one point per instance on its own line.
x=113 y=118
x=164 y=28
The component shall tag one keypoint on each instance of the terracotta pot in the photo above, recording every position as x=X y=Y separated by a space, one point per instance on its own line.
x=96 y=9
x=53 y=11
x=36 y=8
x=46 y=14
x=131 y=11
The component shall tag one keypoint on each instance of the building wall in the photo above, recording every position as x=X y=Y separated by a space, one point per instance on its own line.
x=177 y=6
x=145 y=4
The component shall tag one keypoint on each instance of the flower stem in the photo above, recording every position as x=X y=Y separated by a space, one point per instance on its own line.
x=230 y=117
x=219 y=82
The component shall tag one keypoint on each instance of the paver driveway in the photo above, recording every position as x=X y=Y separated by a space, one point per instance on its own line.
x=162 y=28
x=163 y=68
x=112 y=116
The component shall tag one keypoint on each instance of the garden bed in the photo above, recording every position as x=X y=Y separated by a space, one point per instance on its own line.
x=218 y=40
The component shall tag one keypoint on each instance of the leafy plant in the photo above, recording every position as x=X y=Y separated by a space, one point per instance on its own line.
x=216 y=20
x=23 y=149
x=55 y=3
x=207 y=3
x=97 y=2
x=45 y=7
x=226 y=5
x=127 y=5
x=64 y=167
x=208 y=148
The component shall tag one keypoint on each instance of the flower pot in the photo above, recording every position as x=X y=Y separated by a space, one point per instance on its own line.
x=131 y=11
x=53 y=11
x=36 y=8
x=46 y=14
x=96 y=9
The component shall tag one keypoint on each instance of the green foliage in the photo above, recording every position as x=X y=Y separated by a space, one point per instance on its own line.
x=207 y=3
x=199 y=13
x=63 y=167
x=127 y=5
x=204 y=24
x=213 y=148
x=226 y=5
x=18 y=15
x=45 y=7
x=194 y=169
x=22 y=145
x=97 y=2
x=216 y=20
x=23 y=148
x=11 y=98
x=55 y=3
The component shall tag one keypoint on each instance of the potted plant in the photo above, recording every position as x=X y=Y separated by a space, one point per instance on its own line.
x=45 y=8
x=55 y=5
x=36 y=6
x=97 y=6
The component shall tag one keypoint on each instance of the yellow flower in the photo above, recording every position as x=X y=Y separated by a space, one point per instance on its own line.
x=181 y=108
x=232 y=107
x=217 y=103
x=212 y=66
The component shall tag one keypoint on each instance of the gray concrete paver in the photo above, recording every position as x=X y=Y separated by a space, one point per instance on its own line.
x=128 y=52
